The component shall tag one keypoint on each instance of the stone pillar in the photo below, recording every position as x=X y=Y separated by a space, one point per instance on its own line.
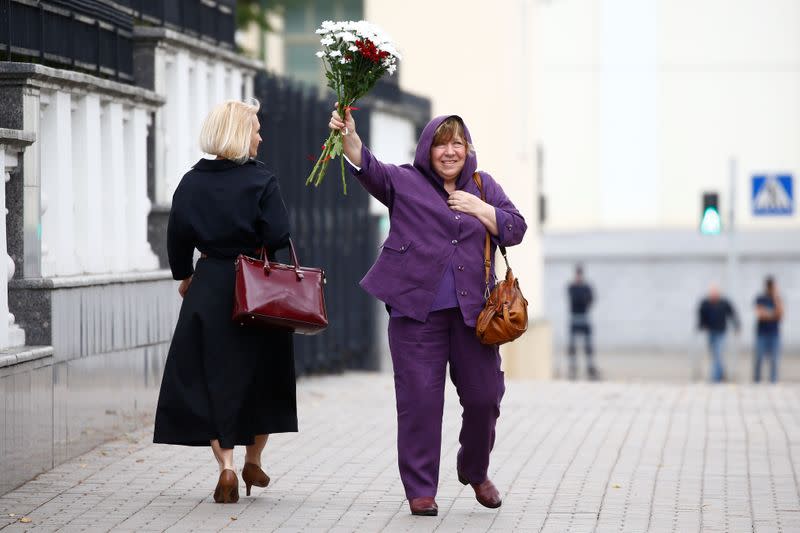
x=87 y=172
x=176 y=125
x=141 y=256
x=200 y=104
x=58 y=202
x=113 y=205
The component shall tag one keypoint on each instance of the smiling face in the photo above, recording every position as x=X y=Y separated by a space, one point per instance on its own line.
x=449 y=150
x=447 y=159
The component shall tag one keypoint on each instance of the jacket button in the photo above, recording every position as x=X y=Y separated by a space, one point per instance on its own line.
x=509 y=226
x=463 y=293
x=402 y=248
x=461 y=267
x=454 y=241
x=458 y=217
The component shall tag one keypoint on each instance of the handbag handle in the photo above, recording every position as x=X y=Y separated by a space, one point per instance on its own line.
x=487 y=248
x=292 y=251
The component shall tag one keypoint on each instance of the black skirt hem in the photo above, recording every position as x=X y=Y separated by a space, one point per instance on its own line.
x=205 y=439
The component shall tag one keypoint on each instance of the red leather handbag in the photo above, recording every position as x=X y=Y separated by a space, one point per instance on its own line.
x=274 y=295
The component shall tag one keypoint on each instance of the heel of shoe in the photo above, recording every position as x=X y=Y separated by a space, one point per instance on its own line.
x=252 y=475
x=227 y=490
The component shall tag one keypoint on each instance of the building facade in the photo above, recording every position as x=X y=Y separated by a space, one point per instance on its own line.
x=641 y=109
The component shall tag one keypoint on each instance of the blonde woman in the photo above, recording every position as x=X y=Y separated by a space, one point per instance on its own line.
x=223 y=384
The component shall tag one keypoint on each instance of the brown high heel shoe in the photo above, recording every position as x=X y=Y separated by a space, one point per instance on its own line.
x=227 y=490
x=253 y=475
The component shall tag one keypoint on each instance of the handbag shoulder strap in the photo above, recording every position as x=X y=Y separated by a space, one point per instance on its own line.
x=487 y=249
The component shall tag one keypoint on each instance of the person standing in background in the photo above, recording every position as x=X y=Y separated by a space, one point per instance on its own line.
x=713 y=316
x=769 y=311
x=581 y=298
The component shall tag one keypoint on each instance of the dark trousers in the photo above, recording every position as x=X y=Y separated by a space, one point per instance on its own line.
x=420 y=354
x=577 y=329
x=768 y=346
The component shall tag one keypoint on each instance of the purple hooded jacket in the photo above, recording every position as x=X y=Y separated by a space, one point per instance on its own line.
x=426 y=236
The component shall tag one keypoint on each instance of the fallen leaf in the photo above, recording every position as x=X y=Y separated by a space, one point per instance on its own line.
x=616 y=486
x=234 y=518
x=84 y=465
x=139 y=460
x=25 y=520
x=12 y=514
x=103 y=453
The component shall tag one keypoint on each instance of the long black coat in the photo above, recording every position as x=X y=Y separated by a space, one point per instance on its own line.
x=221 y=380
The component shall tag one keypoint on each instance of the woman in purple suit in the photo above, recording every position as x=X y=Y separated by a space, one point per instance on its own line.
x=430 y=274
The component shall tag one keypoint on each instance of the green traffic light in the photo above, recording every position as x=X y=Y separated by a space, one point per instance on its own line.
x=711 y=224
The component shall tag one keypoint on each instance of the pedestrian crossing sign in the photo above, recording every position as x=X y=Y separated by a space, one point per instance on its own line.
x=773 y=195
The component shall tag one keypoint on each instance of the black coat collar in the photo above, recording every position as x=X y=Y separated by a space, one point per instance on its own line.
x=218 y=164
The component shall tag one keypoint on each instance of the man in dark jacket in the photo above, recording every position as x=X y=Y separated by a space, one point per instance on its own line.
x=580 y=300
x=713 y=316
x=769 y=311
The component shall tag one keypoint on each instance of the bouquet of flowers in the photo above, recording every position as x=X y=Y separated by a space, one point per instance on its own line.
x=355 y=55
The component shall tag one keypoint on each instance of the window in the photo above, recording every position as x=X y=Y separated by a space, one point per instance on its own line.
x=301 y=42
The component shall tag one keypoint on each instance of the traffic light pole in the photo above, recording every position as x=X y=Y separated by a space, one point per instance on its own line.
x=733 y=267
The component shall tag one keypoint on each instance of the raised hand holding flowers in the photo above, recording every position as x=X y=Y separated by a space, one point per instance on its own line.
x=355 y=55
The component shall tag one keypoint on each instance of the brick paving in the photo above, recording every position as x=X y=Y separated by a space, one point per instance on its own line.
x=584 y=457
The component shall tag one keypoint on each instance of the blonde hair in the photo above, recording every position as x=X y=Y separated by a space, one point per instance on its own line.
x=227 y=129
x=451 y=128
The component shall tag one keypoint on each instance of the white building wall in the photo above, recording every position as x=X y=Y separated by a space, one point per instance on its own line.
x=644 y=102
x=643 y=107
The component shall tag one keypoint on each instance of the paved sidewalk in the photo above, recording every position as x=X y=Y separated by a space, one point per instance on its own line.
x=569 y=457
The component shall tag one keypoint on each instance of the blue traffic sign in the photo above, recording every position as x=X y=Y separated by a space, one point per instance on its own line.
x=773 y=195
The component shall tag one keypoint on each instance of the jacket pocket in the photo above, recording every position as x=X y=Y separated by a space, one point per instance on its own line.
x=394 y=254
x=396 y=244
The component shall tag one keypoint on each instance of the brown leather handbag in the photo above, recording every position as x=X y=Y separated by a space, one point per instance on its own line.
x=505 y=314
x=274 y=295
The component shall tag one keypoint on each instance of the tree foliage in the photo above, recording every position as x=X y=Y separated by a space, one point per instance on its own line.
x=255 y=11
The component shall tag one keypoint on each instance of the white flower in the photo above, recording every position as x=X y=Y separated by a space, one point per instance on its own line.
x=328 y=25
x=346 y=36
x=343 y=61
x=353 y=48
x=327 y=40
x=320 y=54
x=335 y=53
x=391 y=70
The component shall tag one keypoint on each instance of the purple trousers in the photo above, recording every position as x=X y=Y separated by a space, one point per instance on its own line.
x=420 y=353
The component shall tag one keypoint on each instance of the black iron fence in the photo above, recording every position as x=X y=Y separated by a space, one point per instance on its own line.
x=212 y=21
x=96 y=36
x=330 y=230
x=87 y=35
